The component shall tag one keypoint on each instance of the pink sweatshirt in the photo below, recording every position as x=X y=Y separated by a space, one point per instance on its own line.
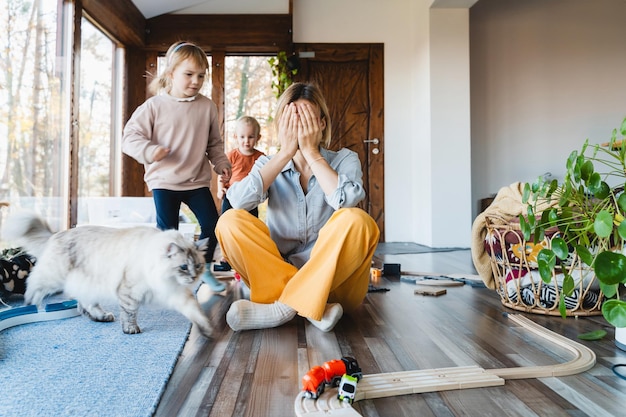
x=189 y=127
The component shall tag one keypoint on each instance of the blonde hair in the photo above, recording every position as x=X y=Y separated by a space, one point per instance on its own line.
x=312 y=94
x=249 y=120
x=176 y=54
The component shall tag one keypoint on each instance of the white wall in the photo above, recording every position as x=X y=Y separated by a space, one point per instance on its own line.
x=417 y=174
x=450 y=155
x=545 y=76
x=365 y=21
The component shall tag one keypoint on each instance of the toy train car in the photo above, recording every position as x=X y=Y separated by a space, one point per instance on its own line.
x=330 y=374
x=313 y=382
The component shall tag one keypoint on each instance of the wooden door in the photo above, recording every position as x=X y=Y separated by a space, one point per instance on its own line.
x=351 y=78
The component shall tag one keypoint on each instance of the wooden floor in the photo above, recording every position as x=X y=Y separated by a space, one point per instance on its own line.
x=258 y=373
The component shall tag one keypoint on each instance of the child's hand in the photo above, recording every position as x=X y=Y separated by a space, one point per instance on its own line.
x=221 y=193
x=159 y=153
x=225 y=177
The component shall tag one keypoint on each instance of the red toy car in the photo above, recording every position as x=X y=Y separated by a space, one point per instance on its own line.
x=337 y=367
x=331 y=373
x=313 y=382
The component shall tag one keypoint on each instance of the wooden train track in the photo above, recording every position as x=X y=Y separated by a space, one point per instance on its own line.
x=430 y=380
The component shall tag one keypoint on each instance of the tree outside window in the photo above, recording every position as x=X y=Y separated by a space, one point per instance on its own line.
x=33 y=108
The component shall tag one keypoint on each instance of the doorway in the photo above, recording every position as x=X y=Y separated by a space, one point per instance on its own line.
x=351 y=79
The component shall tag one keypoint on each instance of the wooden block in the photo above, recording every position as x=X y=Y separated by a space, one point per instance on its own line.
x=430 y=291
x=440 y=282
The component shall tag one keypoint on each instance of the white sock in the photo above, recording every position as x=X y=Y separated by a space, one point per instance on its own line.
x=246 y=315
x=332 y=314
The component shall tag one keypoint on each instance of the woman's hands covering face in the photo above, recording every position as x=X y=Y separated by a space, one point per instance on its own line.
x=299 y=127
x=309 y=126
x=288 y=129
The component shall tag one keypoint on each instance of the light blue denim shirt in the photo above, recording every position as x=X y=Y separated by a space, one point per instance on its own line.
x=295 y=218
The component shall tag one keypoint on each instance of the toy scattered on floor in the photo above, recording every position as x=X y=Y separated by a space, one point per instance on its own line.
x=29 y=314
x=313 y=382
x=330 y=373
x=448 y=280
x=391 y=270
x=347 y=388
x=442 y=379
x=375 y=273
x=223 y=266
x=372 y=288
x=430 y=291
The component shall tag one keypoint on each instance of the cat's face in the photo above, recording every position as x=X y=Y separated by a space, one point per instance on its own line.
x=186 y=262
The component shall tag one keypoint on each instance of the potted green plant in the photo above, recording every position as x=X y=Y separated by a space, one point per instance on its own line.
x=588 y=208
x=283 y=70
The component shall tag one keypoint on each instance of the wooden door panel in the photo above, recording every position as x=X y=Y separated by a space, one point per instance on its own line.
x=351 y=78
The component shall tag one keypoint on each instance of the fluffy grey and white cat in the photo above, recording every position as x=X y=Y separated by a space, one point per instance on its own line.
x=96 y=264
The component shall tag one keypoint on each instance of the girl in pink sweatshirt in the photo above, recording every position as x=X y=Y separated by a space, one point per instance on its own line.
x=175 y=135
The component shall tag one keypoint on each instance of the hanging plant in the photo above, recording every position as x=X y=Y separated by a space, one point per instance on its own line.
x=283 y=69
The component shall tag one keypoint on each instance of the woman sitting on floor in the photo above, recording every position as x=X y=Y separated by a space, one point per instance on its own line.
x=314 y=255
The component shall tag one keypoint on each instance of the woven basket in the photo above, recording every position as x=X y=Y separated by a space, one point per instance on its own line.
x=513 y=261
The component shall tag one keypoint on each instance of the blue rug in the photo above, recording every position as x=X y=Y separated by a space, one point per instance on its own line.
x=77 y=367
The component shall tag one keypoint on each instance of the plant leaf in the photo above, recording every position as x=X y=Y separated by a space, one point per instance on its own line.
x=571 y=160
x=614 y=311
x=525 y=193
x=586 y=170
x=584 y=254
x=532 y=221
x=559 y=247
x=562 y=307
x=603 y=224
x=621 y=229
x=553 y=215
x=609 y=290
x=593 y=335
x=546 y=261
x=553 y=186
x=524 y=227
x=602 y=191
x=568 y=285
x=610 y=267
x=621 y=201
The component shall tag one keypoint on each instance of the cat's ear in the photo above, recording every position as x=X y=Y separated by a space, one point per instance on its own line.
x=202 y=244
x=173 y=249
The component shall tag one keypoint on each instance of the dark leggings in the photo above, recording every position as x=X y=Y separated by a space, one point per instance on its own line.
x=226 y=206
x=200 y=202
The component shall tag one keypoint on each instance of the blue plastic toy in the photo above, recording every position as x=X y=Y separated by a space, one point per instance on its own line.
x=30 y=314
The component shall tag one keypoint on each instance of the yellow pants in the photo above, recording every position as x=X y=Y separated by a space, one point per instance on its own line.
x=338 y=270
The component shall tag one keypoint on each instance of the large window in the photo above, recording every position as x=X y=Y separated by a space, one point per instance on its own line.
x=249 y=92
x=39 y=119
x=35 y=110
x=34 y=107
x=98 y=150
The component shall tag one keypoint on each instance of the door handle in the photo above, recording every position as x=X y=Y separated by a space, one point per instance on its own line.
x=374 y=141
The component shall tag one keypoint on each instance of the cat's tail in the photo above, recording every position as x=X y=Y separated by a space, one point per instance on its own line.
x=28 y=231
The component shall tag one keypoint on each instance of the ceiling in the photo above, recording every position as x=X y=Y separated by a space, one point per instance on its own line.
x=152 y=8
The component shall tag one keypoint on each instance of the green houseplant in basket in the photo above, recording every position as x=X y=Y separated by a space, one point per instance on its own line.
x=588 y=208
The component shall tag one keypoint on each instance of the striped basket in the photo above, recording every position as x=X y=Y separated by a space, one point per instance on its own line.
x=514 y=266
